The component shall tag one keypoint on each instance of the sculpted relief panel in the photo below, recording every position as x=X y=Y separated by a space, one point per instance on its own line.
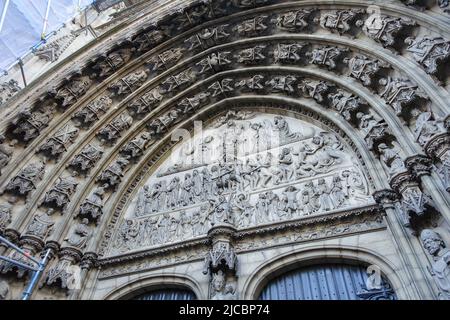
x=245 y=169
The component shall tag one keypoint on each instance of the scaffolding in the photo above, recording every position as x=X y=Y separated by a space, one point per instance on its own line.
x=36 y=270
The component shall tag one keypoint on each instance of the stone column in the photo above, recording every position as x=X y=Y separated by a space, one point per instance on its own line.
x=407 y=245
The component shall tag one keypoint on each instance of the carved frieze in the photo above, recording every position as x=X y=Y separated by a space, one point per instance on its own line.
x=341 y=21
x=327 y=56
x=294 y=21
x=252 y=27
x=252 y=55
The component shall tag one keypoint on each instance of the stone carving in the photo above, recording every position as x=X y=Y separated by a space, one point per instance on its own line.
x=345 y=103
x=181 y=79
x=162 y=123
x=114 y=173
x=317 y=89
x=147 y=102
x=391 y=158
x=282 y=84
x=215 y=62
x=129 y=83
x=386 y=30
x=440 y=267
x=6 y=153
x=365 y=69
x=208 y=37
x=253 y=55
x=148 y=39
x=254 y=83
x=28 y=125
x=51 y=51
x=443 y=170
x=41 y=225
x=8 y=89
x=63 y=274
x=414 y=200
x=294 y=21
x=166 y=59
x=79 y=234
x=249 y=3
x=59 y=142
x=252 y=27
x=340 y=21
x=87 y=158
x=72 y=91
x=374 y=129
x=221 y=87
x=221 y=289
x=92 y=207
x=92 y=112
x=110 y=63
x=189 y=105
x=400 y=93
x=27 y=178
x=430 y=53
x=4 y=290
x=112 y=130
x=59 y=195
x=136 y=147
x=288 y=53
x=327 y=56
x=5 y=216
x=426 y=126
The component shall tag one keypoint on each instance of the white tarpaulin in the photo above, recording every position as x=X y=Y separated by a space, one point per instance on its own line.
x=24 y=22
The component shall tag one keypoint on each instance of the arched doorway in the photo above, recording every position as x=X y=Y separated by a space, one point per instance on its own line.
x=328 y=281
x=166 y=294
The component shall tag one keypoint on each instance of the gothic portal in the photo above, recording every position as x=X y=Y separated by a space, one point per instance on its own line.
x=245 y=149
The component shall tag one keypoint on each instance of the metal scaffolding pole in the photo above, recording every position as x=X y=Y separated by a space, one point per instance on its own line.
x=2 y=19
x=47 y=12
x=36 y=271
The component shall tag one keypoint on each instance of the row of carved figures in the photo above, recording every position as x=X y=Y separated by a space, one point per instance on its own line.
x=243 y=210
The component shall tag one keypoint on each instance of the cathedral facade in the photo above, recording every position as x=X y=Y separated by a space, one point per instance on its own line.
x=236 y=149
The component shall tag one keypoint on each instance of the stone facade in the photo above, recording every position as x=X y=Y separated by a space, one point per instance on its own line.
x=265 y=135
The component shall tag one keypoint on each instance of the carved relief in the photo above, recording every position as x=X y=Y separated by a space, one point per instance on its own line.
x=59 y=142
x=8 y=89
x=114 y=173
x=92 y=207
x=112 y=62
x=288 y=53
x=41 y=225
x=400 y=93
x=92 y=112
x=346 y=103
x=173 y=82
x=294 y=21
x=59 y=195
x=430 y=53
x=426 y=126
x=391 y=158
x=166 y=59
x=147 y=102
x=6 y=153
x=327 y=56
x=222 y=177
x=79 y=235
x=365 y=69
x=112 y=130
x=136 y=147
x=214 y=62
x=252 y=27
x=440 y=267
x=87 y=158
x=208 y=37
x=5 y=216
x=129 y=83
x=340 y=21
x=27 y=179
x=387 y=30
x=148 y=39
x=72 y=91
x=253 y=55
x=28 y=125
x=317 y=90
x=374 y=128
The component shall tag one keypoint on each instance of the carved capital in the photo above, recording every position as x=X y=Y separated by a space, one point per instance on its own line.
x=89 y=260
x=385 y=197
x=438 y=145
x=419 y=165
x=400 y=181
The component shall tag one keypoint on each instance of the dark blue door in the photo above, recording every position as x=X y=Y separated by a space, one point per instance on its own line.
x=326 y=282
x=167 y=294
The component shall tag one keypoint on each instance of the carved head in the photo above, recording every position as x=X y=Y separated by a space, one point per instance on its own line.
x=85 y=221
x=218 y=281
x=431 y=241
